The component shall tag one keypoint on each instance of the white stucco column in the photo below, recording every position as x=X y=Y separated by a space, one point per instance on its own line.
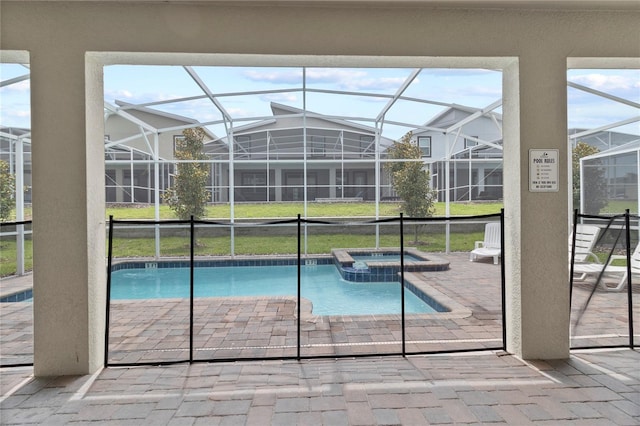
x=536 y=257
x=68 y=214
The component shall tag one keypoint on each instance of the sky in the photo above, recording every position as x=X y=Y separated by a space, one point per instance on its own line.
x=369 y=89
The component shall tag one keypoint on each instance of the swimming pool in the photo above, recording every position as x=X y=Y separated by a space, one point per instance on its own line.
x=329 y=293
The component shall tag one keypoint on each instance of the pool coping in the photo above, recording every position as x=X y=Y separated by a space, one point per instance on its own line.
x=384 y=270
x=427 y=262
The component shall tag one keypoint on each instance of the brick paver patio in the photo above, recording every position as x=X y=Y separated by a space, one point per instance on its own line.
x=592 y=387
x=248 y=327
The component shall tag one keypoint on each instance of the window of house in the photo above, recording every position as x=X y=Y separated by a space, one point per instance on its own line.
x=366 y=145
x=243 y=143
x=176 y=139
x=317 y=144
x=424 y=143
x=468 y=143
x=254 y=179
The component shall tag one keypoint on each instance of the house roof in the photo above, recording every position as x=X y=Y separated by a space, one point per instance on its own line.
x=438 y=118
x=285 y=110
x=128 y=107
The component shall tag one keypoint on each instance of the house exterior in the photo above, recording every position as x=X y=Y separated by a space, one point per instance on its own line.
x=341 y=161
x=271 y=158
x=619 y=166
x=467 y=144
x=269 y=162
x=133 y=135
x=266 y=162
x=474 y=153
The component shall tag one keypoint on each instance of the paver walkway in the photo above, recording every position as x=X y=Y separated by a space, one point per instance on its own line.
x=591 y=388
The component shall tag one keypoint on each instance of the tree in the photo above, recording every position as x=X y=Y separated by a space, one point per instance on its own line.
x=593 y=179
x=410 y=181
x=7 y=191
x=188 y=196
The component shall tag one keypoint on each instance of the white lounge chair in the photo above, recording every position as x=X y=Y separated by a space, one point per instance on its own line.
x=586 y=237
x=596 y=269
x=490 y=247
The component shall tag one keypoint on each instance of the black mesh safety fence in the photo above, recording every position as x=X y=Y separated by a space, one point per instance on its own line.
x=187 y=291
x=198 y=290
x=16 y=294
x=148 y=292
x=605 y=275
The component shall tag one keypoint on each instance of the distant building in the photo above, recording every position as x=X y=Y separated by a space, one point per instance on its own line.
x=343 y=158
x=131 y=137
x=472 y=144
x=267 y=157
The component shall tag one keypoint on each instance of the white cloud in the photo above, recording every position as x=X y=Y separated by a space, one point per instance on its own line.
x=276 y=77
x=280 y=97
x=21 y=86
x=15 y=116
x=20 y=113
x=111 y=95
x=457 y=72
x=344 y=79
x=482 y=91
x=605 y=83
x=375 y=83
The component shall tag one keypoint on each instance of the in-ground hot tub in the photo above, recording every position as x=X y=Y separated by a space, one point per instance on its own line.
x=367 y=265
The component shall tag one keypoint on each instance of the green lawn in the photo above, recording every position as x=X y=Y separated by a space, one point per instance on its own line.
x=618 y=207
x=280 y=244
x=8 y=256
x=322 y=242
x=291 y=210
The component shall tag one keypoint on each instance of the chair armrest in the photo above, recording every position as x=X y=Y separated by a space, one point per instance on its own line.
x=595 y=258
x=479 y=244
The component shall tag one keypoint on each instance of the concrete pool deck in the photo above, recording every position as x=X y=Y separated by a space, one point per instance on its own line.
x=592 y=387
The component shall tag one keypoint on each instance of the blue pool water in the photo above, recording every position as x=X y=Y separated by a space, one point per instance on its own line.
x=322 y=284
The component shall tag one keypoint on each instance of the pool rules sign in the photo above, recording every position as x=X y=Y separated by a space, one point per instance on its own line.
x=543 y=170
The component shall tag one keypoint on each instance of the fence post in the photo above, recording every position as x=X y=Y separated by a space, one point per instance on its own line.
x=404 y=349
x=299 y=295
x=503 y=283
x=573 y=255
x=109 y=263
x=629 y=280
x=191 y=285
